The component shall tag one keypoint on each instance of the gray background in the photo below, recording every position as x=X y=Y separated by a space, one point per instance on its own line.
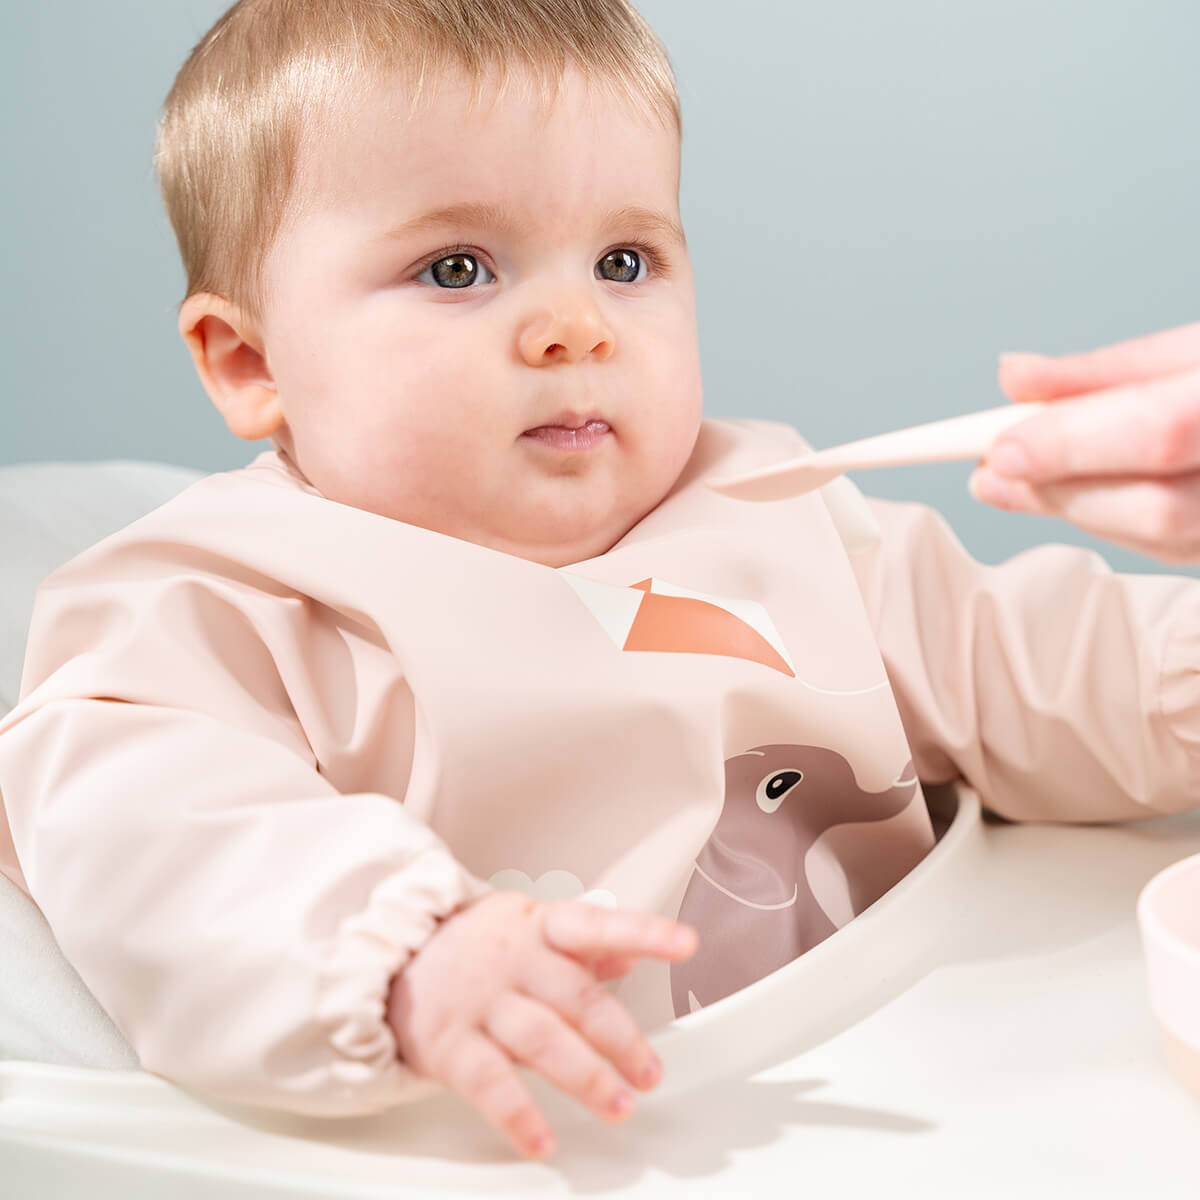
x=880 y=197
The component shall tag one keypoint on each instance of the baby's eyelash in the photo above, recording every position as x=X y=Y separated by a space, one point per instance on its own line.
x=445 y=252
x=659 y=264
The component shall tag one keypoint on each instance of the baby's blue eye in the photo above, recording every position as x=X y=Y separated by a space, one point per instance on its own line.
x=455 y=271
x=621 y=266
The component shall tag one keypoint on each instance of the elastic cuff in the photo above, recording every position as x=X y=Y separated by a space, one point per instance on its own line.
x=400 y=916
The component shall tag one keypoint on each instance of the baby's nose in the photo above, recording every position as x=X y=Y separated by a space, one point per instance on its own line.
x=566 y=334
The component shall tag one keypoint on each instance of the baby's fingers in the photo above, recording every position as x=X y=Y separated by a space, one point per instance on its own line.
x=484 y=1075
x=613 y=967
x=589 y=932
x=575 y=993
x=539 y=1038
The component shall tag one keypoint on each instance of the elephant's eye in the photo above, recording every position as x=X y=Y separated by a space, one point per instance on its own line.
x=771 y=790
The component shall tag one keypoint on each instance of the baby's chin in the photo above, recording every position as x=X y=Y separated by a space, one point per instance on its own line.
x=557 y=536
x=552 y=520
x=562 y=546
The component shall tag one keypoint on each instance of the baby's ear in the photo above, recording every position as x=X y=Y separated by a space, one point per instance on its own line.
x=229 y=358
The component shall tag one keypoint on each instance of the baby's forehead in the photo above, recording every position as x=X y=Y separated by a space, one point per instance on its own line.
x=390 y=105
x=431 y=115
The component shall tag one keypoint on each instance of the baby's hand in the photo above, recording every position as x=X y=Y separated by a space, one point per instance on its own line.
x=510 y=980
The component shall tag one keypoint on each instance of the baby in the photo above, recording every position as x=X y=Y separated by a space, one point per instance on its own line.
x=427 y=744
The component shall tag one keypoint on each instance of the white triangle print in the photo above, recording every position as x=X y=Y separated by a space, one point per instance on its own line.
x=613 y=606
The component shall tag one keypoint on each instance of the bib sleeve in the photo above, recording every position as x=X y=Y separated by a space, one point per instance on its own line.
x=1060 y=690
x=238 y=917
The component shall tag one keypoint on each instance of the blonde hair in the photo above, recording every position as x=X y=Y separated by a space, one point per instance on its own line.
x=269 y=71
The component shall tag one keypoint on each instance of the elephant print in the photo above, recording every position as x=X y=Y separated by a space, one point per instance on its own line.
x=749 y=896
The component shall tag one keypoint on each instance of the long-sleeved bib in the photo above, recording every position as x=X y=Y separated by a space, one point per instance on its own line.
x=267 y=741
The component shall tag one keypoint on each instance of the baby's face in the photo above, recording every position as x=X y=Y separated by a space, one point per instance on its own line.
x=462 y=290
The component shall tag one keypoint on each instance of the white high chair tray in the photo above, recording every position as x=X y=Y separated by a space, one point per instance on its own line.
x=982 y=1031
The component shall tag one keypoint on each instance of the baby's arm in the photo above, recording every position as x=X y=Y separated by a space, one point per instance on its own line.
x=507 y=980
x=237 y=916
x=1061 y=690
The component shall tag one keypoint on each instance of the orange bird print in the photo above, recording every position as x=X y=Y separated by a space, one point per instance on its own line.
x=652 y=616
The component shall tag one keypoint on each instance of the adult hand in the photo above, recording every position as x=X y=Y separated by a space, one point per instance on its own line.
x=1117 y=453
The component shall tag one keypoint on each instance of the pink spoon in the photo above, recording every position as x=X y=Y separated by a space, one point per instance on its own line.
x=968 y=436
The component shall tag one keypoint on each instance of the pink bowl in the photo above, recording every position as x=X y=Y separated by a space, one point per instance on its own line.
x=1169 y=915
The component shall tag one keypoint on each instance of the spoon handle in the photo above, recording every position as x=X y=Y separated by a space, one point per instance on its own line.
x=963 y=437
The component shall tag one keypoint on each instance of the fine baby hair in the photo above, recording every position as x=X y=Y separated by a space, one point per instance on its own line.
x=266 y=82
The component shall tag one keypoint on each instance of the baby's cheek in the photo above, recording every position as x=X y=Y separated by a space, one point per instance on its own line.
x=458 y=388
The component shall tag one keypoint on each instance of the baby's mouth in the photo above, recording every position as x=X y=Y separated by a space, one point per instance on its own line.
x=571 y=434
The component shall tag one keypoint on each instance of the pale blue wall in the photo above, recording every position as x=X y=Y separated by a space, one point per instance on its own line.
x=880 y=196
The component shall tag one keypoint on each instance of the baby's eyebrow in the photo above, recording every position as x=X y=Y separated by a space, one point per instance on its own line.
x=632 y=218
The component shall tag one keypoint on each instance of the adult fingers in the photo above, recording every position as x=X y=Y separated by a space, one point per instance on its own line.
x=484 y=1075
x=1147 y=429
x=592 y=933
x=603 y=1021
x=1040 y=377
x=534 y=1035
x=1154 y=517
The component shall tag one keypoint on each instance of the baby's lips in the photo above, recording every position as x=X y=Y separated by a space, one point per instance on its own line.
x=571 y=418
